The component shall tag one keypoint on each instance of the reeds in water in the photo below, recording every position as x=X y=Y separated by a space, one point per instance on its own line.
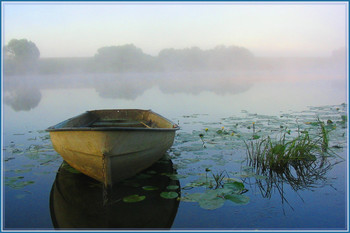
x=265 y=154
x=301 y=162
x=280 y=154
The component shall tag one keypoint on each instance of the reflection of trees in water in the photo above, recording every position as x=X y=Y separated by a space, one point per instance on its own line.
x=131 y=86
x=218 y=86
x=122 y=87
x=22 y=98
x=196 y=82
x=27 y=96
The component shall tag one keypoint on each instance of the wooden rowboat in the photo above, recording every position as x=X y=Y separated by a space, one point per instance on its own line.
x=112 y=145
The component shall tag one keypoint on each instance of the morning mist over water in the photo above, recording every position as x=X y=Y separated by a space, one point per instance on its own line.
x=125 y=72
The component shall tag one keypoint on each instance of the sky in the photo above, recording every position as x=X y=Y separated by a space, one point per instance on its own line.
x=273 y=29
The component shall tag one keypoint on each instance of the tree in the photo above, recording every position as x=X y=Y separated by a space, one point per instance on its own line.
x=21 y=56
x=195 y=59
x=188 y=59
x=229 y=58
x=123 y=58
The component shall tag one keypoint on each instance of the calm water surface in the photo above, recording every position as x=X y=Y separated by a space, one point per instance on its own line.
x=42 y=192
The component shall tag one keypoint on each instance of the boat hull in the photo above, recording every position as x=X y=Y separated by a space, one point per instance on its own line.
x=111 y=156
x=114 y=144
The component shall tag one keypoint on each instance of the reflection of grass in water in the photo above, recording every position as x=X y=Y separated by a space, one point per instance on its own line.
x=218 y=178
x=301 y=162
x=300 y=175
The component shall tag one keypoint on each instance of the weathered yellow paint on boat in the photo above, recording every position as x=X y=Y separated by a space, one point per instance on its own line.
x=111 y=154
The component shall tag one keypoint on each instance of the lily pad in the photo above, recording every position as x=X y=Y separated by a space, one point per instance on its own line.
x=33 y=155
x=224 y=132
x=212 y=203
x=172 y=187
x=210 y=194
x=193 y=197
x=150 y=188
x=238 y=199
x=13 y=179
x=169 y=195
x=17 y=171
x=234 y=186
x=133 y=198
x=18 y=185
x=16 y=151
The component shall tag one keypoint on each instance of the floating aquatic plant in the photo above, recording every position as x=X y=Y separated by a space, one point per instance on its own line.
x=169 y=195
x=150 y=188
x=133 y=198
x=17 y=182
x=218 y=189
x=172 y=187
x=215 y=198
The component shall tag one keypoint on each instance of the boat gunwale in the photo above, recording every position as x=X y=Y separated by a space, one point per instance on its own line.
x=111 y=129
x=87 y=128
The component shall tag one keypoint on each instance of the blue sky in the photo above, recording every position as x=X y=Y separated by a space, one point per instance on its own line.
x=67 y=29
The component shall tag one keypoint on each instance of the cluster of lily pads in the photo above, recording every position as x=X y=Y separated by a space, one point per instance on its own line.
x=28 y=154
x=169 y=194
x=221 y=145
x=214 y=197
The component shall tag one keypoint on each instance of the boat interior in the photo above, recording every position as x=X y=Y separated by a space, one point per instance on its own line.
x=122 y=123
x=117 y=118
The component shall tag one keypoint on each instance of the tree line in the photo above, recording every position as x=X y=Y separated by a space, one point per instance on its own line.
x=23 y=56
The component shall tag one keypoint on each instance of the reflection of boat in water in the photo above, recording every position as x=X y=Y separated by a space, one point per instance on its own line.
x=77 y=201
x=112 y=145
